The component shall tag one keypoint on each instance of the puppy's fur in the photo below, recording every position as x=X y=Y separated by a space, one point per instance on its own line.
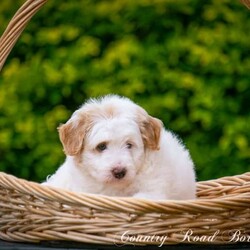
x=115 y=148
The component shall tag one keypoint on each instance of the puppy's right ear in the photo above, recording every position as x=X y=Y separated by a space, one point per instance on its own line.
x=72 y=134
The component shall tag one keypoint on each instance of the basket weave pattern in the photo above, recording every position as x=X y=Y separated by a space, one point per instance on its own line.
x=30 y=212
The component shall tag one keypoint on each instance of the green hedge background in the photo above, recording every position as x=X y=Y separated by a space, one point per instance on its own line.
x=186 y=62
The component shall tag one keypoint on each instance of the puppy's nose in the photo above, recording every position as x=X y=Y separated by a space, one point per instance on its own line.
x=118 y=172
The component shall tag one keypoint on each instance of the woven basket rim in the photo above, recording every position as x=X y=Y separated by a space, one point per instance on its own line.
x=32 y=212
x=135 y=205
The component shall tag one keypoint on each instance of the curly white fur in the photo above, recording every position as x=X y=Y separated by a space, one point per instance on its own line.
x=115 y=148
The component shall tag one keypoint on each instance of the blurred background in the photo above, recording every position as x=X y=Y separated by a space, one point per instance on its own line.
x=186 y=62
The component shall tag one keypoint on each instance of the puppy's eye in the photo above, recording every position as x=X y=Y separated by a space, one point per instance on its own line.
x=101 y=147
x=129 y=145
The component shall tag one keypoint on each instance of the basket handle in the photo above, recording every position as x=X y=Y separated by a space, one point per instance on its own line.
x=246 y=3
x=16 y=26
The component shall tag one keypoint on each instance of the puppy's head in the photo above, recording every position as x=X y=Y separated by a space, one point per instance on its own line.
x=108 y=138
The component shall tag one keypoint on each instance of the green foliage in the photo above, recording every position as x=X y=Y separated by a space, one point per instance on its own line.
x=186 y=62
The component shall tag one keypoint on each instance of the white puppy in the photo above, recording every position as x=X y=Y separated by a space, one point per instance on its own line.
x=115 y=148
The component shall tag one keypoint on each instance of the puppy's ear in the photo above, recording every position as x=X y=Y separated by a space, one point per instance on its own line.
x=150 y=128
x=72 y=134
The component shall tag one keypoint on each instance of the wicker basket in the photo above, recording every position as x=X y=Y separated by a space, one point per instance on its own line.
x=31 y=212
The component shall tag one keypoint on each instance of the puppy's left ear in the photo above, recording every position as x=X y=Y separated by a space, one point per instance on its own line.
x=150 y=128
x=72 y=135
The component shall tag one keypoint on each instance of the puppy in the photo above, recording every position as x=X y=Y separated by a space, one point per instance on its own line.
x=115 y=148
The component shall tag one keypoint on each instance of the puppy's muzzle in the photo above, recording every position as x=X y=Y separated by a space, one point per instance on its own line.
x=119 y=172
